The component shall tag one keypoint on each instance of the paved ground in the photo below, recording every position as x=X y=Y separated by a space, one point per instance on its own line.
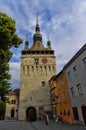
x=38 y=125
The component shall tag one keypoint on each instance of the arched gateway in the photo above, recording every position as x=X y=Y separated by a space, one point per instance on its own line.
x=31 y=114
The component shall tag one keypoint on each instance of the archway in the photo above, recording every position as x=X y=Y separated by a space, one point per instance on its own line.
x=31 y=114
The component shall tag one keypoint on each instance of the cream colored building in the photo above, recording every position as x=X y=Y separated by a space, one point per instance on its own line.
x=38 y=65
x=13 y=105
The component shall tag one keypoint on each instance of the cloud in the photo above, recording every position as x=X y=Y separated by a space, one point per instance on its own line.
x=15 y=73
x=63 y=21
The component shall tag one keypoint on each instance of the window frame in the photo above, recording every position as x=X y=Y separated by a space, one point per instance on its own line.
x=79 y=88
x=69 y=75
x=72 y=92
x=84 y=62
x=75 y=70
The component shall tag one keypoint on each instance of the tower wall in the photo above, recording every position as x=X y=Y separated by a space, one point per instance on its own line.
x=36 y=70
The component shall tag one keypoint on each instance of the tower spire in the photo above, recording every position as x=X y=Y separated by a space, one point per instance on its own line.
x=37 y=36
x=37 y=19
x=37 y=29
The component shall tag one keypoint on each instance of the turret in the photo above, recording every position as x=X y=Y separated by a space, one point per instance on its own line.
x=26 y=44
x=48 y=44
x=37 y=36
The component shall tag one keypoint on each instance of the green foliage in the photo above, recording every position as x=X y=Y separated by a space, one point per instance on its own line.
x=5 y=55
x=2 y=109
x=4 y=89
x=8 y=39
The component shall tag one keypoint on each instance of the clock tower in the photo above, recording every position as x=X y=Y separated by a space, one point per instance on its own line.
x=38 y=65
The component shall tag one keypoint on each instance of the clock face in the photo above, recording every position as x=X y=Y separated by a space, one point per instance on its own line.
x=44 y=61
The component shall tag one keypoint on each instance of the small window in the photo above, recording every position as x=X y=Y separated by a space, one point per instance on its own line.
x=69 y=75
x=14 y=101
x=64 y=112
x=23 y=70
x=75 y=70
x=84 y=61
x=28 y=70
x=50 y=68
x=79 y=89
x=72 y=92
x=53 y=68
x=68 y=112
x=11 y=101
x=36 y=61
x=43 y=84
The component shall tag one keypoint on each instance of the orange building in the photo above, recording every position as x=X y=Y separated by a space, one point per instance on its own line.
x=61 y=98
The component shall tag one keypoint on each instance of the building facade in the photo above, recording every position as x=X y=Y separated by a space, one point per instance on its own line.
x=60 y=99
x=75 y=71
x=38 y=65
x=13 y=105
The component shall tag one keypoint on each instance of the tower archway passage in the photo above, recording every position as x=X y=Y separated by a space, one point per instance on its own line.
x=31 y=114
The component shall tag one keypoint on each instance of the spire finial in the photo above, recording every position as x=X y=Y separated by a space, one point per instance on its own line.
x=37 y=25
x=37 y=19
x=48 y=37
x=37 y=36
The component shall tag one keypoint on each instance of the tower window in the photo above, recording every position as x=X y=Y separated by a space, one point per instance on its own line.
x=23 y=70
x=53 y=69
x=50 y=68
x=36 y=61
x=43 y=84
x=28 y=70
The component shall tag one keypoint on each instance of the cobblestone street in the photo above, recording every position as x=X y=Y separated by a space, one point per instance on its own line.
x=38 y=125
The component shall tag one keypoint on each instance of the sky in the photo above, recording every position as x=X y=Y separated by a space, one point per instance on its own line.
x=63 y=21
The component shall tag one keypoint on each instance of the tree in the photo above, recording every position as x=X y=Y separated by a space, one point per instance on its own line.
x=2 y=109
x=8 y=39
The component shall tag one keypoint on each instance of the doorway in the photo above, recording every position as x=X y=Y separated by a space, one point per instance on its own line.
x=83 y=108
x=75 y=113
x=31 y=114
x=12 y=113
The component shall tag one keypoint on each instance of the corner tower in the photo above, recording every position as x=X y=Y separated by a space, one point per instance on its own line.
x=38 y=65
